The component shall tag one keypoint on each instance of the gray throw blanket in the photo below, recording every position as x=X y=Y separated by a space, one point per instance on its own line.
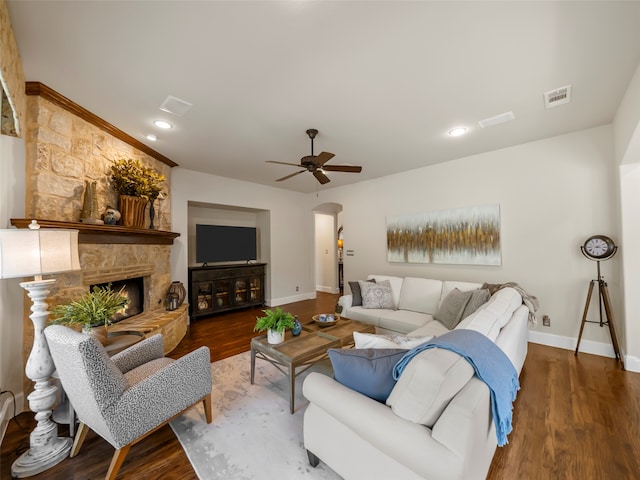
x=491 y=365
x=528 y=300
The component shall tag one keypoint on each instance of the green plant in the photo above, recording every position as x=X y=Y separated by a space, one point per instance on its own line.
x=277 y=320
x=93 y=308
x=131 y=177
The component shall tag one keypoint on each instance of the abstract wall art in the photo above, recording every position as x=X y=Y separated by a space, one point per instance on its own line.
x=469 y=236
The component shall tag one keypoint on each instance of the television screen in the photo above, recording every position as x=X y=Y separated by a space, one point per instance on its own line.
x=221 y=243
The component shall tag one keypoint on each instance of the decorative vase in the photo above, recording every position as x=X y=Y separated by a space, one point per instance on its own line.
x=132 y=210
x=89 y=212
x=178 y=288
x=297 y=328
x=274 y=337
x=152 y=215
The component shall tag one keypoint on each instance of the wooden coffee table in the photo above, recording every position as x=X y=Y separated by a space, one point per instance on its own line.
x=296 y=354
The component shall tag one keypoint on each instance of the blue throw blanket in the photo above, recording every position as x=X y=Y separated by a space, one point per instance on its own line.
x=491 y=365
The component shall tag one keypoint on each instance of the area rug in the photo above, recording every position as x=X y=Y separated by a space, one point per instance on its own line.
x=253 y=435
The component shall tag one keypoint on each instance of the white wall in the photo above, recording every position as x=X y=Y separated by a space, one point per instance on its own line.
x=290 y=230
x=553 y=194
x=627 y=147
x=12 y=193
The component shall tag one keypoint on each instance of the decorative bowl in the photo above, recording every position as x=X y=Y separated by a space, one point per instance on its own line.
x=323 y=320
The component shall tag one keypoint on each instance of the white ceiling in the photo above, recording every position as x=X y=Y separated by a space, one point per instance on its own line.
x=383 y=81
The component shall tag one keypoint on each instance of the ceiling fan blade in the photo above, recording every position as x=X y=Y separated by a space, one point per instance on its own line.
x=292 y=175
x=322 y=178
x=283 y=163
x=323 y=157
x=342 y=168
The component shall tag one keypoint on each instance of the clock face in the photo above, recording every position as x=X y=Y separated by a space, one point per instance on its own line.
x=599 y=247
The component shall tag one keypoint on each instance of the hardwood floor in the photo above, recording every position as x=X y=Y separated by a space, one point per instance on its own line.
x=574 y=418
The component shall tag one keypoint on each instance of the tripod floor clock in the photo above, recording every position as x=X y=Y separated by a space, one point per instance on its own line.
x=598 y=248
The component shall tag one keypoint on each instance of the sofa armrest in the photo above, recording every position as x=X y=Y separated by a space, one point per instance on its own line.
x=162 y=395
x=346 y=301
x=140 y=353
x=466 y=428
x=408 y=443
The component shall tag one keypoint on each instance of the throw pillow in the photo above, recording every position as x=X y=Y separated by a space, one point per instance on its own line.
x=370 y=340
x=478 y=298
x=452 y=307
x=356 y=294
x=376 y=295
x=368 y=371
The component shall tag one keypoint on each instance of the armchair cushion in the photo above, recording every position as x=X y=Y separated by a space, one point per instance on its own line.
x=142 y=352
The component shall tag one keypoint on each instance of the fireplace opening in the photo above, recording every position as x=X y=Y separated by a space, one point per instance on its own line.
x=133 y=290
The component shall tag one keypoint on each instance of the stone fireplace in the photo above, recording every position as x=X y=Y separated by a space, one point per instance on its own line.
x=67 y=146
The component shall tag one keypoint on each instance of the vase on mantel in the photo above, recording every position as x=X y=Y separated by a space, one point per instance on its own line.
x=132 y=210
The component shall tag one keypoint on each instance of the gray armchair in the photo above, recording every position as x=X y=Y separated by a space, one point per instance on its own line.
x=130 y=395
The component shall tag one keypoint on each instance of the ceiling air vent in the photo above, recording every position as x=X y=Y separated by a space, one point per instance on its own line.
x=556 y=97
x=497 y=120
x=175 y=105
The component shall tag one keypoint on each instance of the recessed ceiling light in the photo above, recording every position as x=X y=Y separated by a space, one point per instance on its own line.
x=152 y=137
x=457 y=131
x=162 y=124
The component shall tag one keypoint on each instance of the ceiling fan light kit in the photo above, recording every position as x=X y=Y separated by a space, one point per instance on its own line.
x=316 y=164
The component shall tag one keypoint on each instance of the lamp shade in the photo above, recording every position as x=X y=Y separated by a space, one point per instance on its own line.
x=35 y=251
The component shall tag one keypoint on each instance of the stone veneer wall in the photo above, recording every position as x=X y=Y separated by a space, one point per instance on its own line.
x=62 y=152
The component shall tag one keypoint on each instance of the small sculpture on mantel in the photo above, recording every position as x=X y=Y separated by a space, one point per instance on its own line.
x=111 y=216
x=89 y=212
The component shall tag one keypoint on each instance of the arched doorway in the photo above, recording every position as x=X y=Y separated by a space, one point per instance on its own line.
x=326 y=250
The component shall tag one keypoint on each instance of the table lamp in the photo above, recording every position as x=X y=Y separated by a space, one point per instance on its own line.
x=37 y=252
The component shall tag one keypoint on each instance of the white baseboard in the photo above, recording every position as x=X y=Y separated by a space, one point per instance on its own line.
x=6 y=411
x=631 y=363
x=274 y=302
x=321 y=288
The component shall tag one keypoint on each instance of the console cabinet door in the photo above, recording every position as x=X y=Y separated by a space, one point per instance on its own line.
x=223 y=288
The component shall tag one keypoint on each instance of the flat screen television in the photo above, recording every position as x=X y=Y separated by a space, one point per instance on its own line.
x=222 y=243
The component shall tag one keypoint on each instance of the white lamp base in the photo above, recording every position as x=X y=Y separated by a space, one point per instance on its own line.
x=46 y=449
x=37 y=460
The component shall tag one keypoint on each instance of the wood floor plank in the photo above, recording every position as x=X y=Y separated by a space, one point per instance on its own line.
x=576 y=417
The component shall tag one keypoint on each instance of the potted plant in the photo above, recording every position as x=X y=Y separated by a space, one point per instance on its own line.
x=136 y=185
x=275 y=322
x=93 y=310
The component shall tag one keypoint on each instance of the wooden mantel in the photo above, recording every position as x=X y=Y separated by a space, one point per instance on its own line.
x=105 y=233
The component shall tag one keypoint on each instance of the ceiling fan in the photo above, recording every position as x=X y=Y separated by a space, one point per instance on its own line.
x=316 y=163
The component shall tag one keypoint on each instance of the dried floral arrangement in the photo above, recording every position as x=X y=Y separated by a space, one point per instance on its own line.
x=131 y=177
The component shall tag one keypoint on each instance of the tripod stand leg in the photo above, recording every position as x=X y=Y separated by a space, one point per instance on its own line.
x=584 y=315
x=604 y=292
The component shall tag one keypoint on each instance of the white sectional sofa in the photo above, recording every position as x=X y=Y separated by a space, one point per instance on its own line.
x=435 y=425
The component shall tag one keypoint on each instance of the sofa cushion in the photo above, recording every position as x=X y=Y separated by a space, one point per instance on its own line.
x=427 y=385
x=367 y=371
x=449 y=285
x=377 y=295
x=356 y=293
x=403 y=321
x=479 y=297
x=396 y=285
x=370 y=340
x=420 y=295
x=452 y=308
